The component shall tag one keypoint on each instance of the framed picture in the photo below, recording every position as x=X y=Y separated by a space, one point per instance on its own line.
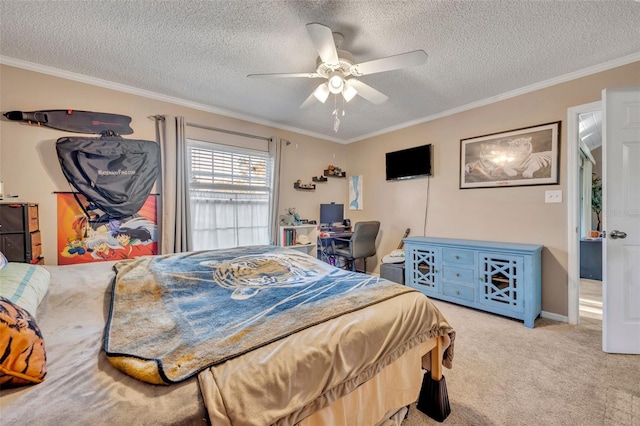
x=527 y=156
x=355 y=193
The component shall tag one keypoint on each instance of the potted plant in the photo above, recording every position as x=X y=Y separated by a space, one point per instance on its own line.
x=596 y=197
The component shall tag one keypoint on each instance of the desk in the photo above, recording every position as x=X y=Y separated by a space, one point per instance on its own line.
x=326 y=240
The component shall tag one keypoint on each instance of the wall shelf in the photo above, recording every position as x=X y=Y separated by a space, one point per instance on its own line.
x=319 y=179
x=304 y=186
x=338 y=175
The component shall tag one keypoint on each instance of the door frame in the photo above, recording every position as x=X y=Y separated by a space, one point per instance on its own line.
x=573 y=208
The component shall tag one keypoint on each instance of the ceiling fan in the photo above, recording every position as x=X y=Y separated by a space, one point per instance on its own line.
x=338 y=68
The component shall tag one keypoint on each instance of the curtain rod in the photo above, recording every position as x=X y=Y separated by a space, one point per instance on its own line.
x=231 y=132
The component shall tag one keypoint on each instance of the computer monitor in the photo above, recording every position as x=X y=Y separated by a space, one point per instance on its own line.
x=331 y=213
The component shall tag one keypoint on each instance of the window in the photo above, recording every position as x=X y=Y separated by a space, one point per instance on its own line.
x=229 y=191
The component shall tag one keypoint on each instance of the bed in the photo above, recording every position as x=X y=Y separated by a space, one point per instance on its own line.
x=358 y=366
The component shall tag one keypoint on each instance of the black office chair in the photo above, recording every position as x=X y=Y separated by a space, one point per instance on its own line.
x=361 y=245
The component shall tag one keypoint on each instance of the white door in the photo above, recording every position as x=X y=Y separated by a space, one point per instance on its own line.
x=621 y=221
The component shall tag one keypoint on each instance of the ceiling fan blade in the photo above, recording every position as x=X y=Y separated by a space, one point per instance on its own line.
x=322 y=39
x=309 y=101
x=368 y=92
x=403 y=60
x=285 y=75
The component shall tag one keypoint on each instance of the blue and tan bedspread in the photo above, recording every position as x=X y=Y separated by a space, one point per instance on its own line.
x=173 y=316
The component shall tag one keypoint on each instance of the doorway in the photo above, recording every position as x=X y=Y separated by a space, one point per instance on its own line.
x=584 y=294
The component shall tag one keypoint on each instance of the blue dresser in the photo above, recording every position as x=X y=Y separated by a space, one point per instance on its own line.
x=503 y=278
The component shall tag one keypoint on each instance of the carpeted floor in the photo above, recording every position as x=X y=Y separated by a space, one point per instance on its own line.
x=554 y=374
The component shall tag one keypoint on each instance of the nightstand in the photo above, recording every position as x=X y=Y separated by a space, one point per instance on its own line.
x=20 y=239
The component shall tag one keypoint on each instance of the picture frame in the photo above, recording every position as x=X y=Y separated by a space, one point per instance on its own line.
x=355 y=193
x=519 y=157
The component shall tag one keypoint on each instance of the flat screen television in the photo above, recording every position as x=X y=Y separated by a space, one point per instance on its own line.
x=331 y=213
x=409 y=163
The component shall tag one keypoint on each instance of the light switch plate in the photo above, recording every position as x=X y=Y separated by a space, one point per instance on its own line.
x=553 y=196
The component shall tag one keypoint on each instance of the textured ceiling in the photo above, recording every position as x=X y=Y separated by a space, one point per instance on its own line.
x=201 y=51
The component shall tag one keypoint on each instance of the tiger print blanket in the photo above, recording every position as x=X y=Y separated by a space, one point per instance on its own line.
x=174 y=315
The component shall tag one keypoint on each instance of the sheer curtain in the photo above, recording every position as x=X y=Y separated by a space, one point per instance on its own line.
x=175 y=228
x=229 y=221
x=234 y=185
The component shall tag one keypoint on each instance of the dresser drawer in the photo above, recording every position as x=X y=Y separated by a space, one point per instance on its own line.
x=33 y=218
x=458 y=274
x=458 y=291
x=11 y=218
x=459 y=256
x=36 y=245
x=13 y=247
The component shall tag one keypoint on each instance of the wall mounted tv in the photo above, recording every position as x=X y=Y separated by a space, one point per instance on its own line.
x=409 y=163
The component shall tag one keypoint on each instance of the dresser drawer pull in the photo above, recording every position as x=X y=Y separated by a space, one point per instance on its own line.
x=458 y=292
x=457 y=257
x=457 y=274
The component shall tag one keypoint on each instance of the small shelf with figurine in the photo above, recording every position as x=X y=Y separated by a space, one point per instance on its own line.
x=304 y=186
x=319 y=179
x=334 y=171
x=335 y=174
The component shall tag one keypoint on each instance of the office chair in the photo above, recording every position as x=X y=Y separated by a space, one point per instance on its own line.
x=361 y=245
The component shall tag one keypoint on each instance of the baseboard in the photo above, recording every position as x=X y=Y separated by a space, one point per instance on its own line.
x=554 y=317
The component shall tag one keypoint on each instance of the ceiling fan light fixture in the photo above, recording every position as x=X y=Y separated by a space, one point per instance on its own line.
x=336 y=83
x=322 y=92
x=349 y=92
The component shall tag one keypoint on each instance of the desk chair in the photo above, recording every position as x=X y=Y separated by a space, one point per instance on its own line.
x=361 y=245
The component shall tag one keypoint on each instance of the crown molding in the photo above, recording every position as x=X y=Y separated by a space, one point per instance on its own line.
x=81 y=78
x=18 y=63
x=512 y=94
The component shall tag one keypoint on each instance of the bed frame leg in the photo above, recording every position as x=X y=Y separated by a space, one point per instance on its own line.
x=434 y=398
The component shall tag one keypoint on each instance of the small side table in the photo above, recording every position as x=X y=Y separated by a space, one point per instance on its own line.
x=393 y=272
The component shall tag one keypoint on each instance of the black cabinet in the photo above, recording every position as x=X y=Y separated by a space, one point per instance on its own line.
x=591 y=259
x=20 y=239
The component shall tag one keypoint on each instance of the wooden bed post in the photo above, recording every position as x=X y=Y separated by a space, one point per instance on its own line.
x=434 y=399
x=436 y=360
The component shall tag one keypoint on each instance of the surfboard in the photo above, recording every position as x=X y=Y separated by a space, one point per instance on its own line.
x=71 y=120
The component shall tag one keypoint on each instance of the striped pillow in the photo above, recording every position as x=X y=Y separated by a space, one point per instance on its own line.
x=24 y=284
x=3 y=260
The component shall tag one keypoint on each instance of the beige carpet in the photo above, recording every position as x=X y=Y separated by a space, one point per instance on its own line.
x=554 y=374
x=591 y=299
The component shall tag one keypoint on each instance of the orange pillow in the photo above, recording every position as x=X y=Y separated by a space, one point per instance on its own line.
x=23 y=360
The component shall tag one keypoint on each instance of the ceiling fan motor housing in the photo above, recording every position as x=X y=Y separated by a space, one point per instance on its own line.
x=338 y=66
x=345 y=61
